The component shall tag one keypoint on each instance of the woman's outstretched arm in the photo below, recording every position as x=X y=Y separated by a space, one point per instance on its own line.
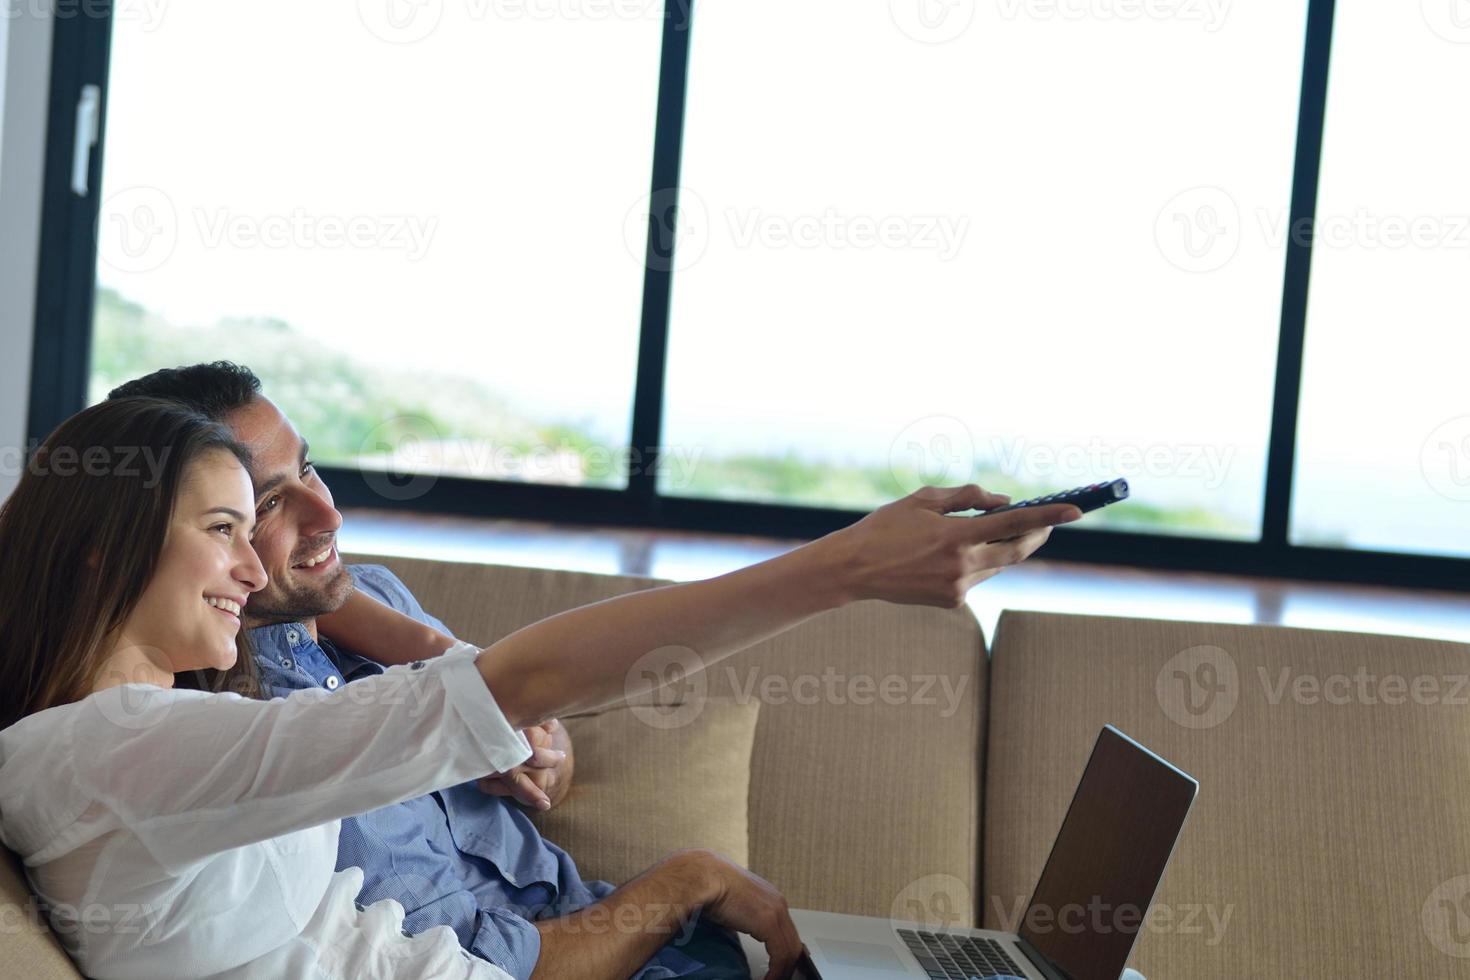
x=909 y=551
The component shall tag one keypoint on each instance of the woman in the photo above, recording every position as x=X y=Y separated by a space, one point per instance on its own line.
x=172 y=832
x=176 y=833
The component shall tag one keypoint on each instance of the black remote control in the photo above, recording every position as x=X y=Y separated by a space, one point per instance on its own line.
x=1085 y=498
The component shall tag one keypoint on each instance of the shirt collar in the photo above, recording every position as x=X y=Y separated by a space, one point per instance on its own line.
x=290 y=645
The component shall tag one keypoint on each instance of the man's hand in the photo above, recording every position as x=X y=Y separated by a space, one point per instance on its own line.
x=616 y=935
x=910 y=552
x=543 y=780
x=746 y=902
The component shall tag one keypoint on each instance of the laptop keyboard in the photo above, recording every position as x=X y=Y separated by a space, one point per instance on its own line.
x=945 y=956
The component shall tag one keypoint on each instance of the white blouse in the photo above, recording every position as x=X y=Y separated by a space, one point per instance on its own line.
x=174 y=833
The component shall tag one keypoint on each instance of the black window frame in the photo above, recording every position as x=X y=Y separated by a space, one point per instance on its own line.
x=63 y=333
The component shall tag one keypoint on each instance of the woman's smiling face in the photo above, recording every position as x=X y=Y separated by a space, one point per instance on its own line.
x=189 y=615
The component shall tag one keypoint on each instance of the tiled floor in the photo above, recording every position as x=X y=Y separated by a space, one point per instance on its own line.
x=1037 y=584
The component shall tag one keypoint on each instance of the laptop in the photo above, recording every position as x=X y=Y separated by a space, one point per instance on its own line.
x=1092 y=898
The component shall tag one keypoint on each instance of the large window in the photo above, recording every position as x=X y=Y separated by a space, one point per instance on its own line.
x=407 y=218
x=996 y=247
x=1213 y=248
x=1384 y=435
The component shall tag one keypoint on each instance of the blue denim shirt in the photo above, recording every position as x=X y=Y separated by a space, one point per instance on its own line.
x=457 y=857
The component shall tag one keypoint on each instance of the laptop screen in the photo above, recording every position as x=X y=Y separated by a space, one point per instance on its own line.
x=1108 y=859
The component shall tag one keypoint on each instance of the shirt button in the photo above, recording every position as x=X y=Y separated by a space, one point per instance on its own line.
x=292 y=636
x=286 y=662
x=360 y=907
x=406 y=933
x=332 y=682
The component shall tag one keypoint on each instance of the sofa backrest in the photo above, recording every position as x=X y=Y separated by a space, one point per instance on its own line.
x=1331 y=834
x=28 y=948
x=865 y=788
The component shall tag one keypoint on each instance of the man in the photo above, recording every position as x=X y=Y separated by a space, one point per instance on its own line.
x=465 y=857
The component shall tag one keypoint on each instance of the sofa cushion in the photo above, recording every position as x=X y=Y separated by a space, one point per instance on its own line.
x=1329 y=835
x=29 y=949
x=865 y=789
x=653 y=779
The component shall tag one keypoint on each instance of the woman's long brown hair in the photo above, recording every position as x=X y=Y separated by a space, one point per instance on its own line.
x=80 y=539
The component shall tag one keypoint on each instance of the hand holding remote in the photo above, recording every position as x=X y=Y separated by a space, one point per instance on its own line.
x=909 y=552
x=1085 y=498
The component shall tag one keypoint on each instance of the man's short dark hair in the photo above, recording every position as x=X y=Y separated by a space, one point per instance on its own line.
x=214 y=390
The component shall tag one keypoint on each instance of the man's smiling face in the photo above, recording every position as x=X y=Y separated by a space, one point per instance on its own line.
x=296 y=522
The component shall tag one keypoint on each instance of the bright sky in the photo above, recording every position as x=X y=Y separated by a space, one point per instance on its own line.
x=492 y=161
x=1051 y=221
x=1385 y=423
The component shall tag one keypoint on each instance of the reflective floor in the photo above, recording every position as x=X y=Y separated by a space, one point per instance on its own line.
x=1037 y=584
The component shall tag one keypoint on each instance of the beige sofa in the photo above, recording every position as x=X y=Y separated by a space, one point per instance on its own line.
x=897 y=770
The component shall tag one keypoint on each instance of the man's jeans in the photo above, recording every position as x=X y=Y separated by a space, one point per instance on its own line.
x=717 y=948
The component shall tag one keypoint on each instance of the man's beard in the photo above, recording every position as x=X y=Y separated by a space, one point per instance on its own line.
x=299 y=604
